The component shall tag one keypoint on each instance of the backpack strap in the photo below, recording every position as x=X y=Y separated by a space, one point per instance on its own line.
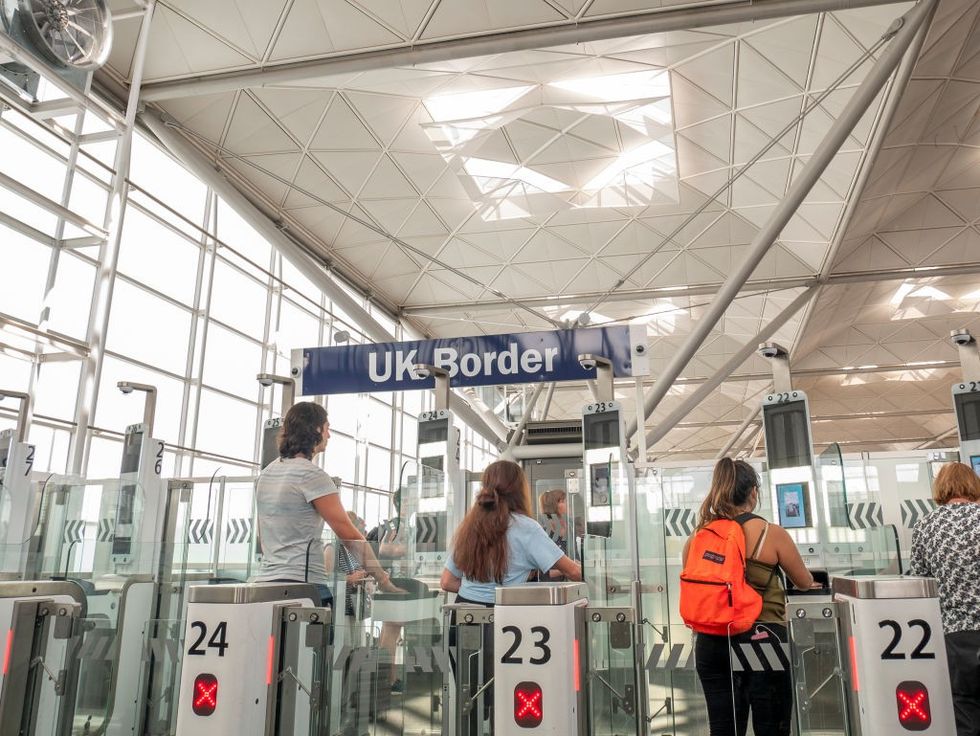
x=761 y=542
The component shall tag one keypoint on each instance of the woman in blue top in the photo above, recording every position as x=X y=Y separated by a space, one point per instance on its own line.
x=498 y=542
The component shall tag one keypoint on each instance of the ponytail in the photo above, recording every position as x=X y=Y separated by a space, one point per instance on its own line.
x=731 y=485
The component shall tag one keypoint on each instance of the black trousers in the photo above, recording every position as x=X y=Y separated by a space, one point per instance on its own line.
x=732 y=696
x=963 y=653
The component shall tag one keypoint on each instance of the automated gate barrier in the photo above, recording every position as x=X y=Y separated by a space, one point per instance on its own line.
x=898 y=676
x=246 y=670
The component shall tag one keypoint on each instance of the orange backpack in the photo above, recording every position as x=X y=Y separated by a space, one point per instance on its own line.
x=715 y=596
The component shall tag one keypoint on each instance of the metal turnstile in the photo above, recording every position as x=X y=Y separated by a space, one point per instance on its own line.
x=898 y=679
x=256 y=661
x=40 y=667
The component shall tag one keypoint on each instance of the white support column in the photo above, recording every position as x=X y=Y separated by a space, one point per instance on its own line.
x=738 y=432
x=903 y=33
x=719 y=376
x=95 y=335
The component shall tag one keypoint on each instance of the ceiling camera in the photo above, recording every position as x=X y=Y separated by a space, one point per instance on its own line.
x=961 y=337
x=770 y=350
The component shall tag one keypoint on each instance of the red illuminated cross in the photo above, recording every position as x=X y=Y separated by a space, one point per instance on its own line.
x=206 y=695
x=529 y=704
x=912 y=706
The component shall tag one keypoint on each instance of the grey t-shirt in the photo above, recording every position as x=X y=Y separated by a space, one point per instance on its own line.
x=288 y=523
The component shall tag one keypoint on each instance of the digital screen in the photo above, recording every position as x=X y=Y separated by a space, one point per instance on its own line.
x=601 y=430
x=270 y=445
x=131 y=452
x=434 y=430
x=791 y=500
x=599 y=484
x=975 y=462
x=968 y=415
x=122 y=539
x=787 y=435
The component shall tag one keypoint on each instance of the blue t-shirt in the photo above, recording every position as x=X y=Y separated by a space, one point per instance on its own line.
x=528 y=549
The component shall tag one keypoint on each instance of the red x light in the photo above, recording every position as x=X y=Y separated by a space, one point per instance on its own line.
x=914 y=712
x=205 y=695
x=528 y=705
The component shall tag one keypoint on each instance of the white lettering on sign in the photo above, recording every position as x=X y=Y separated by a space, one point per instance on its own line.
x=507 y=362
x=397 y=365
x=531 y=361
x=446 y=358
x=402 y=368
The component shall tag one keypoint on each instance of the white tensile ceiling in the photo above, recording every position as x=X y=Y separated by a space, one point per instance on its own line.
x=558 y=175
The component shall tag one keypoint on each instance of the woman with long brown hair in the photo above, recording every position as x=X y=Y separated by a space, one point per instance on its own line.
x=731 y=696
x=498 y=542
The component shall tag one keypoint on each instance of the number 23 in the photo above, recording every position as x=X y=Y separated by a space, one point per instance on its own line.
x=541 y=644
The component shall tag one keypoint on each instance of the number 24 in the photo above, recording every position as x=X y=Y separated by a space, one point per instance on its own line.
x=217 y=640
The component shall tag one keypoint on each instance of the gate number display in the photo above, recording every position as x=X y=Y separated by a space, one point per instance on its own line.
x=540 y=645
x=896 y=628
x=217 y=640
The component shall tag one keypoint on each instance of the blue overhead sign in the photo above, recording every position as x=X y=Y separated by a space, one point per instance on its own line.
x=524 y=357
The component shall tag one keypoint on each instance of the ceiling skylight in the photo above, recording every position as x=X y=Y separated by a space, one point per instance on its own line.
x=532 y=150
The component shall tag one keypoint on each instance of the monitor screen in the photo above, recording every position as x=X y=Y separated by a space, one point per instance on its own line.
x=968 y=415
x=270 y=444
x=792 y=501
x=975 y=462
x=600 y=430
x=787 y=435
x=131 y=452
x=433 y=430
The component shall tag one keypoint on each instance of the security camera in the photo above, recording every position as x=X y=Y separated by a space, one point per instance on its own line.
x=961 y=337
x=264 y=379
x=640 y=349
x=421 y=372
x=587 y=362
x=124 y=387
x=770 y=350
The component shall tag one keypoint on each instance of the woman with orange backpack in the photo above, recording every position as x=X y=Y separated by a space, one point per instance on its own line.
x=732 y=599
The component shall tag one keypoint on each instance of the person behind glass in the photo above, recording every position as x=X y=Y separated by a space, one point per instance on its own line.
x=946 y=546
x=340 y=561
x=554 y=512
x=731 y=696
x=294 y=497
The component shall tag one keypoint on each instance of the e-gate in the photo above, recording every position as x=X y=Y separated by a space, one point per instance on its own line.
x=19 y=499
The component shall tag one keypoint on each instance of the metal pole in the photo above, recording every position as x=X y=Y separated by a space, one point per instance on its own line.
x=547 y=401
x=570 y=32
x=515 y=438
x=194 y=161
x=98 y=325
x=903 y=32
x=738 y=432
x=719 y=376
